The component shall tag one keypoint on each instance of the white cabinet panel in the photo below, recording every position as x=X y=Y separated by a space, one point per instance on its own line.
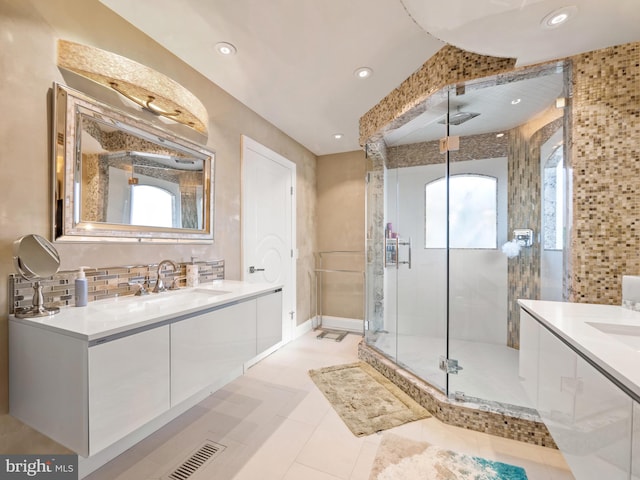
x=270 y=321
x=529 y=353
x=128 y=385
x=48 y=384
x=557 y=382
x=635 y=446
x=588 y=416
x=209 y=346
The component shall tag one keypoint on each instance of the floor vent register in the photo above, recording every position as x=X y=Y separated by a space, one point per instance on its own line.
x=202 y=456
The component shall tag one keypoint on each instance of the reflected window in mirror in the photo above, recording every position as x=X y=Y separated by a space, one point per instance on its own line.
x=153 y=206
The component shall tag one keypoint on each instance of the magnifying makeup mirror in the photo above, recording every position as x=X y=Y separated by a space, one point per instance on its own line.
x=35 y=258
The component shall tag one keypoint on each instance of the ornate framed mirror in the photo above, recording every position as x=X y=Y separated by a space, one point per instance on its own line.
x=119 y=178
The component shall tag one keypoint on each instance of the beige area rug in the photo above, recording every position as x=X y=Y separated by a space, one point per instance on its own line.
x=366 y=401
x=402 y=458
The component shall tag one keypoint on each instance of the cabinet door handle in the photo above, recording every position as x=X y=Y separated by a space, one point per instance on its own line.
x=253 y=269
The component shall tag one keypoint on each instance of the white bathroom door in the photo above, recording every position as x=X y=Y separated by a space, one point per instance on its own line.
x=268 y=224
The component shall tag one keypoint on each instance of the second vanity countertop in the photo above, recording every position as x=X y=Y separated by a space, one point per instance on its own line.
x=607 y=336
x=117 y=316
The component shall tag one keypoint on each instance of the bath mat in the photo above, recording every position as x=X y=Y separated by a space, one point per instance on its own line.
x=366 y=401
x=399 y=457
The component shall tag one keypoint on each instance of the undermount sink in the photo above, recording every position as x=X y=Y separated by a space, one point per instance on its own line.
x=627 y=334
x=211 y=292
x=154 y=301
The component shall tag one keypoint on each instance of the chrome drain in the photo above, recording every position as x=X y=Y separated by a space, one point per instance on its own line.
x=198 y=459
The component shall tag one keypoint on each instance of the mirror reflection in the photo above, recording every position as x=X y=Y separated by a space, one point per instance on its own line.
x=153 y=185
x=118 y=177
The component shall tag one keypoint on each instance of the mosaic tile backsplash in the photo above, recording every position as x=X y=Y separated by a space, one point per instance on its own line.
x=104 y=282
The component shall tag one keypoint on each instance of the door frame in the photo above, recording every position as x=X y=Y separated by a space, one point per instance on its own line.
x=247 y=143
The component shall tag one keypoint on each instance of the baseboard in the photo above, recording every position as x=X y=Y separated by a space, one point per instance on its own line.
x=342 y=323
x=303 y=328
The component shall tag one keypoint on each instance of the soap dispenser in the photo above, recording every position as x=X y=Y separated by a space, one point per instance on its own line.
x=81 y=293
x=193 y=278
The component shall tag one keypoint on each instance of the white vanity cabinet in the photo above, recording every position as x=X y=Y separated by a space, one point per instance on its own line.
x=97 y=389
x=87 y=396
x=207 y=347
x=589 y=417
x=635 y=443
x=269 y=321
x=128 y=385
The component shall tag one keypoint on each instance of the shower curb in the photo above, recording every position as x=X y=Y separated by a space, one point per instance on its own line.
x=492 y=419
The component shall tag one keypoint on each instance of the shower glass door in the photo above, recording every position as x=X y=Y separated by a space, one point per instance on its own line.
x=446 y=191
x=422 y=269
x=495 y=189
x=478 y=277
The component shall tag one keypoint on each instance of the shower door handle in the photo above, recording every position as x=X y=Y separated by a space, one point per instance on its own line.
x=406 y=243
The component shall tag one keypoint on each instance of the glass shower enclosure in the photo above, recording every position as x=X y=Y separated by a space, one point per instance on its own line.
x=466 y=213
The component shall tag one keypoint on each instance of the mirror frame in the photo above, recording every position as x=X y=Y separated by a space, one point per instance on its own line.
x=67 y=163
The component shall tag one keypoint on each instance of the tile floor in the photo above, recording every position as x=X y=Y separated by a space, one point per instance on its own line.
x=276 y=425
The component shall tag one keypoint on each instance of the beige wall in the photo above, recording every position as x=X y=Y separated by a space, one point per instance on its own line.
x=28 y=34
x=340 y=227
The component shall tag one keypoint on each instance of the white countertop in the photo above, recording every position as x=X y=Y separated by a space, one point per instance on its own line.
x=616 y=353
x=118 y=315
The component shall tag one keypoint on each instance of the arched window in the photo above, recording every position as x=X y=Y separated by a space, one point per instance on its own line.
x=553 y=200
x=151 y=206
x=473 y=212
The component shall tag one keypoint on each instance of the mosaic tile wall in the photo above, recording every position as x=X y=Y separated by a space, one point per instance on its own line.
x=495 y=419
x=104 y=282
x=428 y=153
x=602 y=133
x=605 y=156
x=448 y=66
x=525 y=211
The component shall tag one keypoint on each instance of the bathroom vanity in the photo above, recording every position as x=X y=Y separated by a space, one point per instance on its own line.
x=579 y=364
x=98 y=379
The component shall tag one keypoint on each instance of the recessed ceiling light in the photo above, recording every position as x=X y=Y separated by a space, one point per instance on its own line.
x=225 y=49
x=558 y=17
x=516 y=101
x=338 y=136
x=363 y=72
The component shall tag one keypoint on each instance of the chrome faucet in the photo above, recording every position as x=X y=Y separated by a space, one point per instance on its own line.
x=159 y=286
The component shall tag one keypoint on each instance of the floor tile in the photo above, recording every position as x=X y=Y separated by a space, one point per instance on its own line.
x=300 y=472
x=273 y=459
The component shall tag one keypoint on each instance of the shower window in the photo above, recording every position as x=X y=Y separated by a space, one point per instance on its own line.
x=473 y=217
x=553 y=200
